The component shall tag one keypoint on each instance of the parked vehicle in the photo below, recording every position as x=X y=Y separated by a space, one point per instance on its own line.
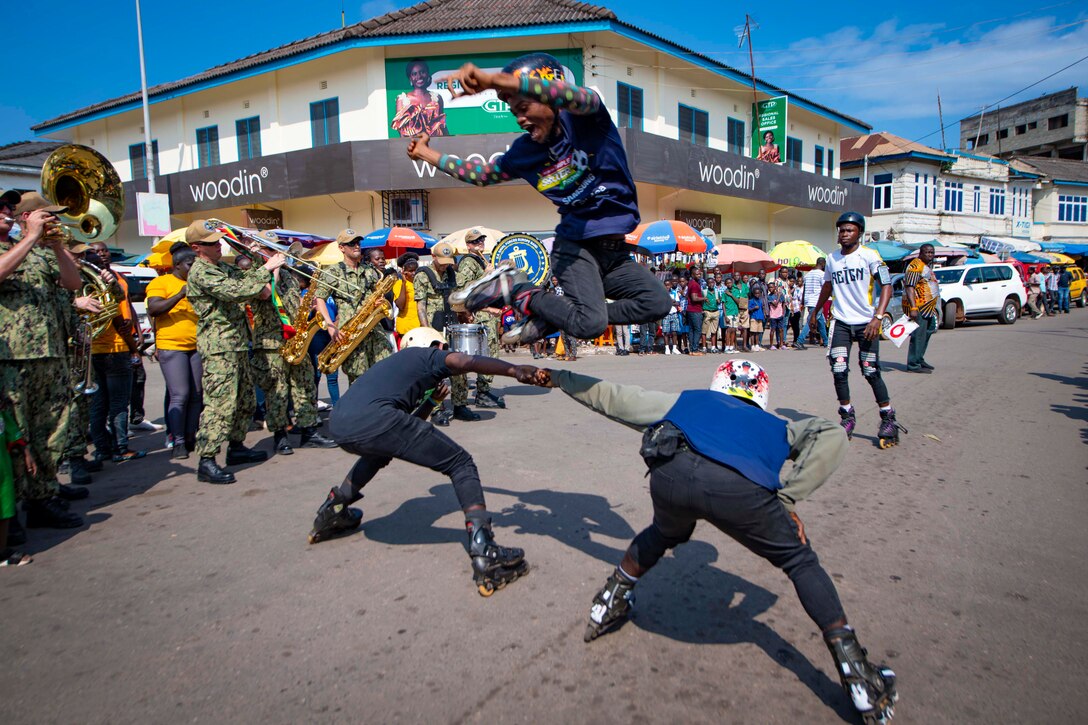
x=981 y=291
x=137 y=278
x=1078 y=290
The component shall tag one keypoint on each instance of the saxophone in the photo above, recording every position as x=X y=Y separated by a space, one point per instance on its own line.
x=295 y=350
x=355 y=330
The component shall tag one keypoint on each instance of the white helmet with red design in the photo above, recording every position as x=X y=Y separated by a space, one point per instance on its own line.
x=743 y=379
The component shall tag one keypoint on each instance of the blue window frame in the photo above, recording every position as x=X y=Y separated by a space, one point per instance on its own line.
x=137 y=159
x=1072 y=208
x=207 y=146
x=325 y=122
x=953 y=196
x=630 y=109
x=997 y=202
x=793 y=152
x=830 y=162
x=734 y=136
x=818 y=160
x=248 y=131
x=694 y=125
x=882 y=191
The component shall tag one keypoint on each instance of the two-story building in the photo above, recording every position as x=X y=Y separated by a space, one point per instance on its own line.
x=920 y=193
x=311 y=134
x=1060 y=198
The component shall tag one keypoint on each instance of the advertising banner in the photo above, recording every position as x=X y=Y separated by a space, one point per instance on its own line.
x=153 y=214
x=420 y=100
x=769 y=129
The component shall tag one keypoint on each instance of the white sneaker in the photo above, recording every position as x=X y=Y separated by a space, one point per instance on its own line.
x=757 y=348
x=675 y=350
x=668 y=350
x=148 y=426
x=322 y=405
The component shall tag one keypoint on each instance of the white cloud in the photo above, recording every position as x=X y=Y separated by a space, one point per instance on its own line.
x=890 y=76
x=374 y=8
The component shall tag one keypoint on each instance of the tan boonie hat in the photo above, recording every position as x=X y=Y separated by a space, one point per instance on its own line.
x=348 y=236
x=474 y=235
x=442 y=252
x=33 y=201
x=202 y=231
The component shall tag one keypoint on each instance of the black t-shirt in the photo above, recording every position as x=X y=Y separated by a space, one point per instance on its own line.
x=399 y=381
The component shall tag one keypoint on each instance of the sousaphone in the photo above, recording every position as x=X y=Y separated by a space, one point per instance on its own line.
x=83 y=180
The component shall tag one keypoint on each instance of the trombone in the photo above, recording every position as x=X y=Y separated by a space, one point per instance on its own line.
x=293 y=253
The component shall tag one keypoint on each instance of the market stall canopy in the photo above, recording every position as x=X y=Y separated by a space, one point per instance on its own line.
x=1057 y=257
x=1075 y=249
x=998 y=245
x=889 y=251
x=164 y=244
x=1029 y=258
x=742 y=258
x=288 y=236
x=797 y=253
x=944 y=252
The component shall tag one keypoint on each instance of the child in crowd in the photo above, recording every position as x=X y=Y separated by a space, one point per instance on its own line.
x=755 y=319
x=776 y=316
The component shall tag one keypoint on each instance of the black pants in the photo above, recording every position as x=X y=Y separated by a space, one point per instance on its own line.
x=136 y=399
x=842 y=337
x=689 y=487
x=590 y=271
x=407 y=438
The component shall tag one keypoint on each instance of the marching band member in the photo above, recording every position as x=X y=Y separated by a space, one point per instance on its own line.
x=282 y=382
x=33 y=350
x=470 y=268
x=349 y=283
x=215 y=290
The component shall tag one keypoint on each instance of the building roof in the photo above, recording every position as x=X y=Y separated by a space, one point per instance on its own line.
x=31 y=154
x=428 y=17
x=1056 y=169
x=885 y=145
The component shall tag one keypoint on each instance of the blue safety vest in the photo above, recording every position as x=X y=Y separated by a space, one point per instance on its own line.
x=733 y=433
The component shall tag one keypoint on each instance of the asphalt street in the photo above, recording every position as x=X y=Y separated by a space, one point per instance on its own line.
x=959 y=556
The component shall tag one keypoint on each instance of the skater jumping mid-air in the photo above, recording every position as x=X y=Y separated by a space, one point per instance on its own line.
x=849 y=278
x=384 y=416
x=716 y=455
x=572 y=154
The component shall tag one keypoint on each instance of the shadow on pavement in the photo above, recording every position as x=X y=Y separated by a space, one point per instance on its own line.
x=523 y=390
x=1077 y=407
x=686 y=599
x=569 y=518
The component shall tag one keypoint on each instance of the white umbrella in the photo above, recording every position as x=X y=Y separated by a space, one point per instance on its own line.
x=457 y=239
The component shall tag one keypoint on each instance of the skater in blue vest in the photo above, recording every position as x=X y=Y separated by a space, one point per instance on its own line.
x=717 y=455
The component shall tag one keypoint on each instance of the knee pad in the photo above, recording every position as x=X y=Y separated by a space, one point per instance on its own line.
x=870 y=366
x=838 y=359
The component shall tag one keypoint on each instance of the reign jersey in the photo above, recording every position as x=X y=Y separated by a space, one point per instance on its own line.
x=852 y=277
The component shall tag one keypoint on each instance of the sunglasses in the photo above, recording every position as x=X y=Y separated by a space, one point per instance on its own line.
x=206 y=244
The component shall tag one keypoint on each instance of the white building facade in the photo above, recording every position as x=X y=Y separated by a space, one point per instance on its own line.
x=921 y=194
x=302 y=133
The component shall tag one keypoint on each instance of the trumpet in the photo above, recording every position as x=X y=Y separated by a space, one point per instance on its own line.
x=293 y=253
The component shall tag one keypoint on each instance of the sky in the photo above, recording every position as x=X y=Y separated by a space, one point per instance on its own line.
x=885 y=67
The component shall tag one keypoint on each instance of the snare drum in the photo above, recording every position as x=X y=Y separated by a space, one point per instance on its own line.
x=468 y=339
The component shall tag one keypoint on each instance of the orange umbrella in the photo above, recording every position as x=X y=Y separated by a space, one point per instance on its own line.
x=667 y=235
x=742 y=258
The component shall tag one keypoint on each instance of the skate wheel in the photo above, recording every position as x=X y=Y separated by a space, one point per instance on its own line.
x=485 y=590
x=886 y=443
x=312 y=538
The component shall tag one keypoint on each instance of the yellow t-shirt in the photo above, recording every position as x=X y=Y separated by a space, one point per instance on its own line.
x=110 y=340
x=407 y=318
x=176 y=329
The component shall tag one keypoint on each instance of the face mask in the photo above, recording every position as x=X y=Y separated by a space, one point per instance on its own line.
x=16 y=231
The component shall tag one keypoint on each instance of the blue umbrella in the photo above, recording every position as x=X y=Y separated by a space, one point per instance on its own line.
x=1029 y=258
x=668 y=235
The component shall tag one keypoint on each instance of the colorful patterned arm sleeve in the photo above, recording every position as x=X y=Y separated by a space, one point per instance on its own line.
x=560 y=94
x=473 y=172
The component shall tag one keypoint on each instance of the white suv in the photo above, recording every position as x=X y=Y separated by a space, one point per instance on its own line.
x=980 y=290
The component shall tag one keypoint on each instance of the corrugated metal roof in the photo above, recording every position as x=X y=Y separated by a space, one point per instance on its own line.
x=1057 y=169
x=431 y=16
x=875 y=145
x=28 y=153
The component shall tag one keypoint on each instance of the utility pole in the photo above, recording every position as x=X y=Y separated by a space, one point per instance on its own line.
x=149 y=157
x=940 y=119
x=746 y=34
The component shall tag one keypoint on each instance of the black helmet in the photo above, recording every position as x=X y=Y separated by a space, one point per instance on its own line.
x=851 y=217
x=536 y=65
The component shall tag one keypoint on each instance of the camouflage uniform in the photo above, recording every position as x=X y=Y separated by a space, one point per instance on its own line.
x=79 y=412
x=353 y=286
x=470 y=269
x=34 y=372
x=435 y=304
x=216 y=292
x=281 y=382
